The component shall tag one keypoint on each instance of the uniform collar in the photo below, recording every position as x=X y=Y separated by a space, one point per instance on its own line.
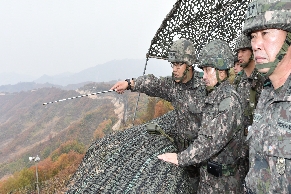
x=284 y=93
x=254 y=74
x=196 y=79
x=195 y=82
x=211 y=97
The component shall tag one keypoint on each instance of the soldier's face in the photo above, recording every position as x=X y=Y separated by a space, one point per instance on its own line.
x=237 y=68
x=178 y=70
x=209 y=76
x=266 y=44
x=244 y=55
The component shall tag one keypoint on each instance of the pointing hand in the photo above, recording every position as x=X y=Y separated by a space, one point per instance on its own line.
x=120 y=86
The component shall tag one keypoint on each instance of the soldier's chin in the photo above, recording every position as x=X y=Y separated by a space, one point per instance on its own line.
x=177 y=79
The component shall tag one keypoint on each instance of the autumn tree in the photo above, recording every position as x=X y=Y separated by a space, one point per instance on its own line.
x=103 y=128
x=162 y=107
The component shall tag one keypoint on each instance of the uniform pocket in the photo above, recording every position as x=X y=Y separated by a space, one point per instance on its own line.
x=280 y=142
x=285 y=148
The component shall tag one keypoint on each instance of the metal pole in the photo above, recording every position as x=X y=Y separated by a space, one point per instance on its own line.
x=36 y=178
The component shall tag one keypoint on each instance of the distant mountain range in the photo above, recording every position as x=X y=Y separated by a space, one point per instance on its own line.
x=14 y=78
x=29 y=86
x=112 y=70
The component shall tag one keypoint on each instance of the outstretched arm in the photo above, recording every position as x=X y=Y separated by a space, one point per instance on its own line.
x=149 y=85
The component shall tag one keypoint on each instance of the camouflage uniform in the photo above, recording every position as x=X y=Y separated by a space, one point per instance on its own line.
x=249 y=89
x=186 y=98
x=244 y=86
x=270 y=142
x=270 y=136
x=219 y=137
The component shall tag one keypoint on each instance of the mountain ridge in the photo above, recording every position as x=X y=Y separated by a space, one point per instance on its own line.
x=112 y=70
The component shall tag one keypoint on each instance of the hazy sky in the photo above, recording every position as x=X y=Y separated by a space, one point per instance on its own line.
x=54 y=36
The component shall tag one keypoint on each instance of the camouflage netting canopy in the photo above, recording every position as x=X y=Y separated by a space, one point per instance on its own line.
x=126 y=162
x=199 y=21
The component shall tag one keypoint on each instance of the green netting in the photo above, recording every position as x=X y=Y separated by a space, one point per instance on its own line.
x=199 y=21
x=126 y=162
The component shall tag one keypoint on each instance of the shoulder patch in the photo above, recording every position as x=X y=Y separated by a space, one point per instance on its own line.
x=201 y=74
x=224 y=104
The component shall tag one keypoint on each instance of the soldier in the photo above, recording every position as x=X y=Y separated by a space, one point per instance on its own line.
x=269 y=26
x=219 y=139
x=237 y=68
x=184 y=90
x=248 y=83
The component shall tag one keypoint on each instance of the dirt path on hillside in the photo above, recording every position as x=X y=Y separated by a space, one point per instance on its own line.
x=118 y=108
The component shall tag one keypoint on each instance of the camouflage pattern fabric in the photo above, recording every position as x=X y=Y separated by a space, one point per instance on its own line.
x=182 y=50
x=243 y=86
x=126 y=162
x=219 y=140
x=186 y=98
x=199 y=21
x=216 y=54
x=270 y=142
x=264 y=14
x=243 y=42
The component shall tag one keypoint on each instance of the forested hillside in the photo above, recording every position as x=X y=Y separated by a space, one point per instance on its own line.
x=60 y=133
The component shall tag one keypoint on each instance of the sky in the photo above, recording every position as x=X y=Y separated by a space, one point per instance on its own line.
x=55 y=36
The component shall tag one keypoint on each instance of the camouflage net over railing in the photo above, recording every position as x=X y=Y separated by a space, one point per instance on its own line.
x=126 y=162
x=199 y=21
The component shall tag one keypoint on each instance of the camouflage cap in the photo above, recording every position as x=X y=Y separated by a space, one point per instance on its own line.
x=243 y=42
x=216 y=54
x=182 y=50
x=265 y=14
